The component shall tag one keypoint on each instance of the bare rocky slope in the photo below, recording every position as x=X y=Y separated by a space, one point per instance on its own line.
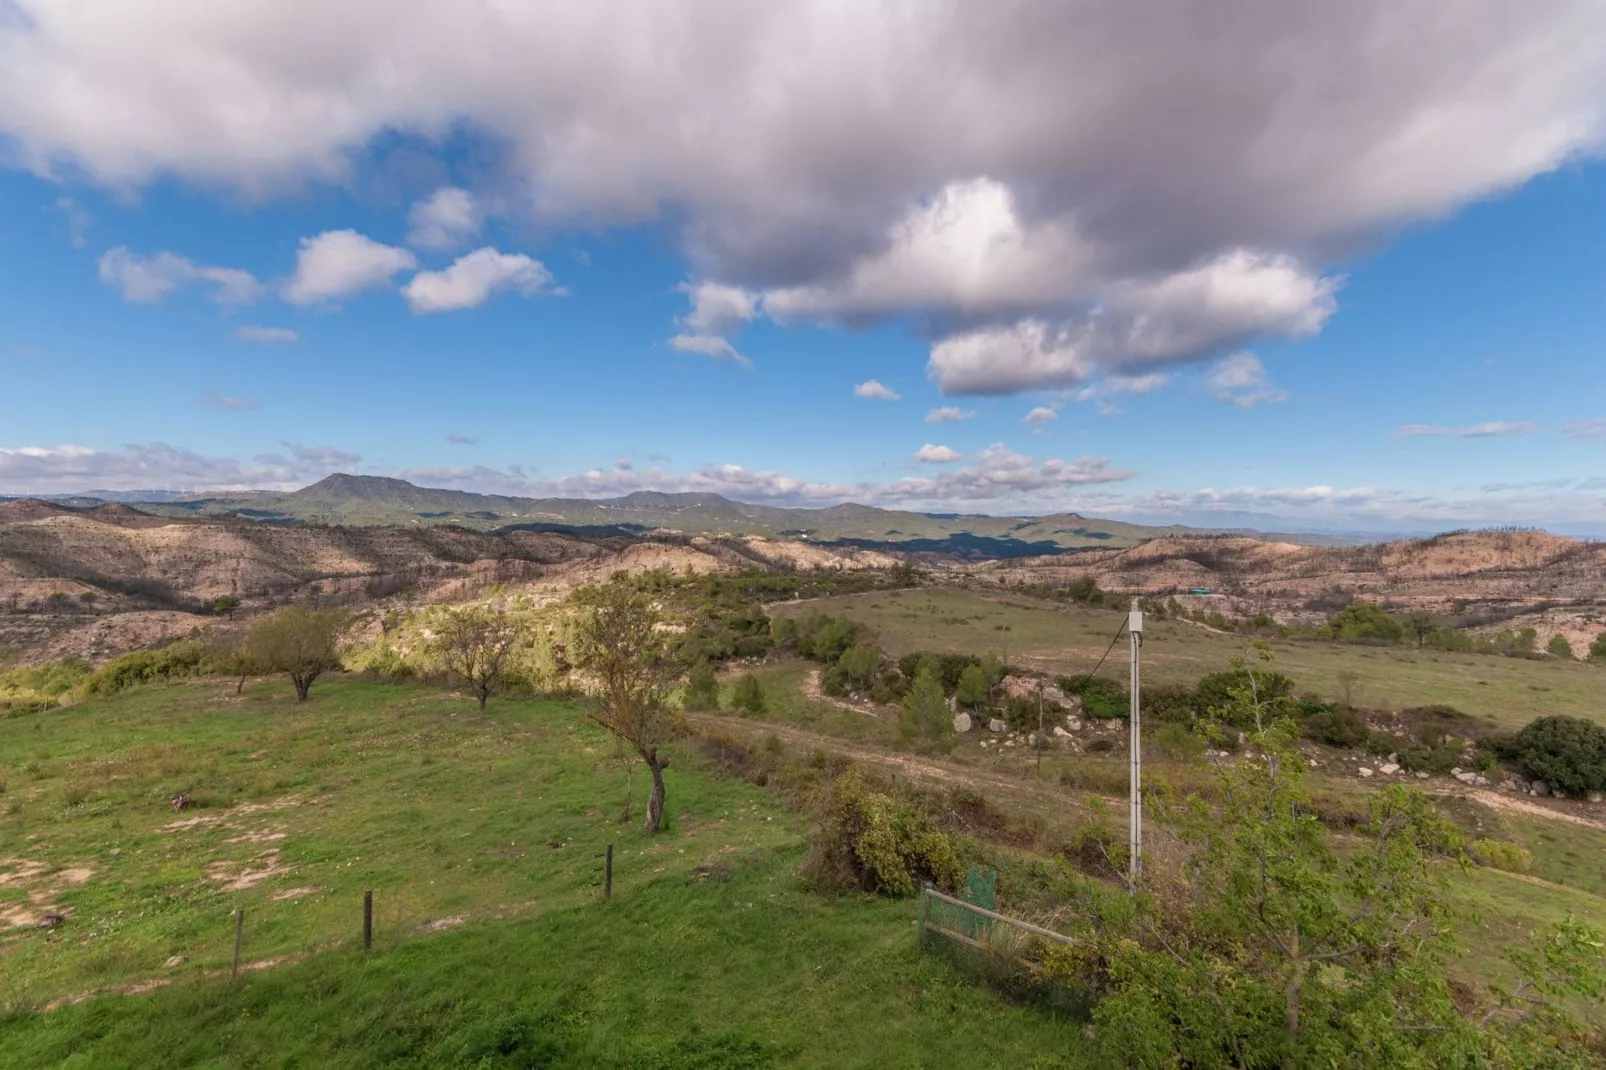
x=95 y=582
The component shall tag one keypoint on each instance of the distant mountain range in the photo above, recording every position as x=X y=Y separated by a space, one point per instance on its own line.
x=354 y=500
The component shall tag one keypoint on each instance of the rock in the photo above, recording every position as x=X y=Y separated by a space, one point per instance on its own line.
x=1073 y=724
x=1060 y=733
x=1464 y=777
x=1480 y=781
x=996 y=725
x=1421 y=776
x=1456 y=772
x=1393 y=759
x=1539 y=787
x=961 y=722
x=176 y=960
x=1364 y=771
x=1389 y=768
x=1313 y=763
x=1596 y=796
x=1009 y=742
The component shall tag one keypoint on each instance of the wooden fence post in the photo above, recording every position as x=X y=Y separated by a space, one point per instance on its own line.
x=368 y=920
x=239 y=936
x=607 y=874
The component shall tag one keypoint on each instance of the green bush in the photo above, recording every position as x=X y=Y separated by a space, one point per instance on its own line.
x=1170 y=703
x=1597 y=649
x=748 y=694
x=1501 y=855
x=50 y=679
x=877 y=843
x=1336 y=728
x=1364 y=621
x=1560 y=647
x=702 y=687
x=143 y=666
x=1215 y=689
x=1101 y=698
x=1177 y=742
x=1567 y=753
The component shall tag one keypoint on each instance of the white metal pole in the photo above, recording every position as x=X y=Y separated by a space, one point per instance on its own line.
x=1135 y=838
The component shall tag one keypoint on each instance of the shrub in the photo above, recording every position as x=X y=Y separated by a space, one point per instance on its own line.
x=1177 y=742
x=1336 y=728
x=1502 y=855
x=702 y=688
x=1560 y=647
x=973 y=691
x=878 y=843
x=923 y=714
x=1568 y=753
x=1171 y=703
x=1101 y=698
x=144 y=666
x=748 y=695
x=1597 y=649
x=1101 y=746
x=1364 y=621
x=1215 y=689
x=858 y=664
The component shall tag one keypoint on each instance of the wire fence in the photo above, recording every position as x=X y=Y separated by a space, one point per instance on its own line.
x=1007 y=953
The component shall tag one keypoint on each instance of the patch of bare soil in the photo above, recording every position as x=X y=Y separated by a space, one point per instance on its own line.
x=253 y=873
x=451 y=921
x=811 y=690
x=1494 y=800
x=293 y=893
x=42 y=885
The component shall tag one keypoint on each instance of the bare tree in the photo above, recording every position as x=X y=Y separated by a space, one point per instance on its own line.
x=298 y=640
x=476 y=643
x=620 y=648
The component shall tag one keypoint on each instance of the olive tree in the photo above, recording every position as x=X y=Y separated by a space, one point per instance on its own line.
x=476 y=644
x=619 y=646
x=297 y=640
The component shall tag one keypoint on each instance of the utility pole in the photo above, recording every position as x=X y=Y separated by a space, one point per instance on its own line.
x=1135 y=836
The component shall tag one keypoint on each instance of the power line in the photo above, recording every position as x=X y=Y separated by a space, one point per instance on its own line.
x=1116 y=639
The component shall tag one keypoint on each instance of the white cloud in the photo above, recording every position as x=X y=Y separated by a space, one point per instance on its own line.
x=1586 y=430
x=931 y=454
x=449 y=218
x=947 y=414
x=873 y=388
x=718 y=313
x=1102 y=392
x=471 y=280
x=1492 y=429
x=266 y=334
x=1040 y=416
x=66 y=469
x=211 y=399
x=1241 y=380
x=148 y=280
x=860 y=161
x=338 y=263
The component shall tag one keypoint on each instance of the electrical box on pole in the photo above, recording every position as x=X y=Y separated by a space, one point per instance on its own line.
x=1135 y=836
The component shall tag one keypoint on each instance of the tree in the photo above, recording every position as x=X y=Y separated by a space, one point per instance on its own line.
x=702 y=688
x=226 y=605
x=1560 y=647
x=749 y=694
x=475 y=644
x=1366 y=621
x=1422 y=625
x=923 y=714
x=619 y=645
x=973 y=689
x=297 y=640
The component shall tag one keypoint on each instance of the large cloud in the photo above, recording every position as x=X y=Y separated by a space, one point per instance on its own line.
x=339 y=263
x=1127 y=184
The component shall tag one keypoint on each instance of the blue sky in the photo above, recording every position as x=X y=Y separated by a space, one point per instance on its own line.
x=1272 y=343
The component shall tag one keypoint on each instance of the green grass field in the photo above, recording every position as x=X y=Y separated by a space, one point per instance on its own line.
x=481 y=836
x=1069 y=638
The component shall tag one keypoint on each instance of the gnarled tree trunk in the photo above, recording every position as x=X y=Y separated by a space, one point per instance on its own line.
x=655 y=800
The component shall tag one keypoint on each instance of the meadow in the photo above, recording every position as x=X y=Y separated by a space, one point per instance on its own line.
x=1068 y=638
x=481 y=836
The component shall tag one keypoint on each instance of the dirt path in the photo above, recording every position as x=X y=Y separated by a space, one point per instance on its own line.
x=1512 y=804
x=921 y=770
x=811 y=690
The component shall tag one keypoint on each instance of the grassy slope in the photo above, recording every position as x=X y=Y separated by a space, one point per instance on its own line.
x=1070 y=638
x=498 y=819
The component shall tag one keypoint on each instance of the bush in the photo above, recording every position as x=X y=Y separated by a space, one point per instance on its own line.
x=1170 y=703
x=748 y=695
x=1336 y=728
x=1567 y=753
x=877 y=843
x=1597 y=649
x=1101 y=698
x=702 y=688
x=1364 y=621
x=1100 y=746
x=1215 y=689
x=923 y=714
x=1502 y=855
x=144 y=666
x=1560 y=647
x=1177 y=742
x=858 y=665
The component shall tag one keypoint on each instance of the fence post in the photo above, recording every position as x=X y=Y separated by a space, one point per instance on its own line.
x=368 y=920
x=925 y=906
x=607 y=874
x=239 y=935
